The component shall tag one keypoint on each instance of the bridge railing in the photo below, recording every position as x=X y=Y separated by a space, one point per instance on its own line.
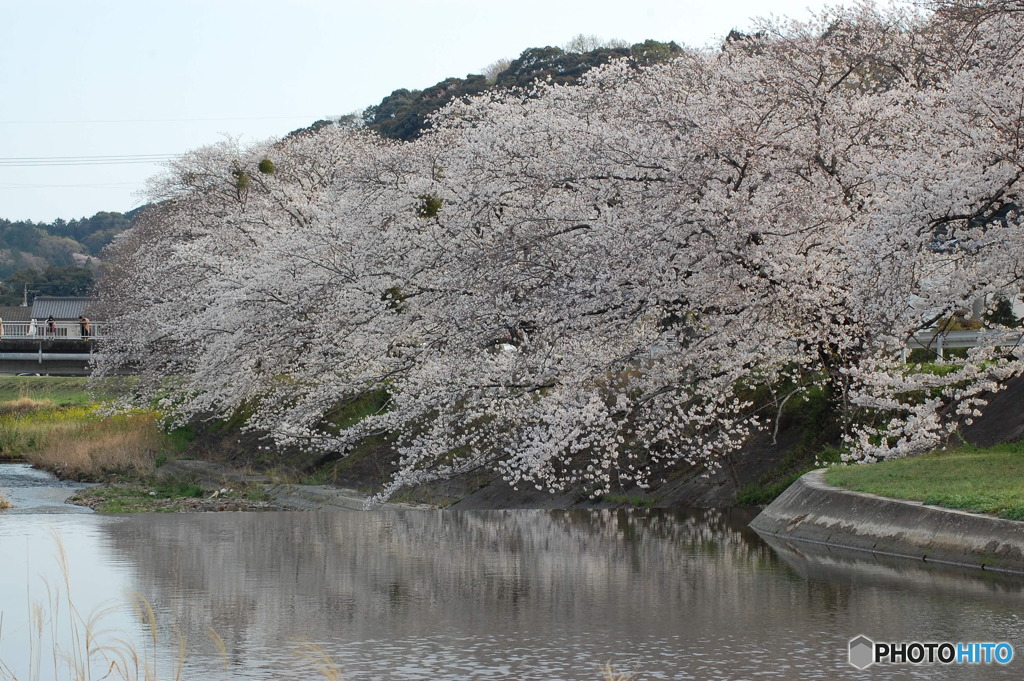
x=43 y=331
x=939 y=341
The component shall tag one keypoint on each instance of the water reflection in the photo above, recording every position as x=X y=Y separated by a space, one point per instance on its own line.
x=368 y=577
x=531 y=595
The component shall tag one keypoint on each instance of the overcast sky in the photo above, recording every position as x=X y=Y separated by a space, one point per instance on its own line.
x=82 y=81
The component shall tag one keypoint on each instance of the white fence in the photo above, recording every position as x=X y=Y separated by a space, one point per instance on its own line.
x=940 y=342
x=40 y=330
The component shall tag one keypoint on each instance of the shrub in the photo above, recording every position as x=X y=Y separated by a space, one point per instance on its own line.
x=429 y=205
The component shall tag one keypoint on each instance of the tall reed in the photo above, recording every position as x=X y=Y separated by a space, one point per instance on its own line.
x=64 y=643
x=94 y=448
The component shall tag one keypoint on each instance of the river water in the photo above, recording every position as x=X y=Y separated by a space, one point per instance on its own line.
x=433 y=595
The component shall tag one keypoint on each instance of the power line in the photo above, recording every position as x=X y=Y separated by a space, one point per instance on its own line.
x=163 y=120
x=97 y=185
x=31 y=158
x=46 y=161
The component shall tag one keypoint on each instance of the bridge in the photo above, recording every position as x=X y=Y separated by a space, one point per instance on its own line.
x=38 y=348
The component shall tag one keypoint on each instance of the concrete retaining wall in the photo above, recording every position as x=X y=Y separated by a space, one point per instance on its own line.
x=812 y=510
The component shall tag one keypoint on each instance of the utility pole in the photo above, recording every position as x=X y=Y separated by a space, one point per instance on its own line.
x=24 y=295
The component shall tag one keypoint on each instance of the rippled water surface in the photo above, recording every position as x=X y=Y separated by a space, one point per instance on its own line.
x=34 y=491
x=482 y=595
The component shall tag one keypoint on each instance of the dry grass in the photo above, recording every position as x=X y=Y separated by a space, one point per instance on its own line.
x=66 y=643
x=60 y=430
x=4 y=501
x=95 y=449
x=124 y=444
x=610 y=673
x=24 y=405
x=21 y=432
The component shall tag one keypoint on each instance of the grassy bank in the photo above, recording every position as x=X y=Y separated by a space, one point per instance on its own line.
x=81 y=442
x=57 y=424
x=61 y=391
x=987 y=480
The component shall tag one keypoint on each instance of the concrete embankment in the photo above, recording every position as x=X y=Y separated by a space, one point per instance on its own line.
x=814 y=511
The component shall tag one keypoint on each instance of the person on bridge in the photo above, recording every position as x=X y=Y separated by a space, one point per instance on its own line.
x=51 y=326
x=83 y=323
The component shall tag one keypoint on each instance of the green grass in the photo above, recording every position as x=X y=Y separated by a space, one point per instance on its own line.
x=61 y=390
x=153 y=495
x=762 y=493
x=25 y=432
x=351 y=412
x=140 y=498
x=979 y=480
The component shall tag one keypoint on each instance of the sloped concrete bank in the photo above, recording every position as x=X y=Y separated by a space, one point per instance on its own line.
x=811 y=510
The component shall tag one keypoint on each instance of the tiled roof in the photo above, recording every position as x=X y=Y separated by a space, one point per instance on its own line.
x=15 y=313
x=59 y=307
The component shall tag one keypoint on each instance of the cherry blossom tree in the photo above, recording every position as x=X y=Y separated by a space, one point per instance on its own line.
x=581 y=285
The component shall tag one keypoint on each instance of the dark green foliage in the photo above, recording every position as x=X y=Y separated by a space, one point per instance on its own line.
x=242 y=181
x=346 y=121
x=748 y=43
x=654 y=52
x=22 y=236
x=97 y=241
x=233 y=422
x=37 y=245
x=404 y=113
x=429 y=205
x=100 y=222
x=173 y=489
x=398 y=115
x=554 y=65
x=764 y=494
x=1002 y=313
x=929 y=355
x=181 y=437
x=394 y=298
x=53 y=281
x=350 y=412
x=266 y=167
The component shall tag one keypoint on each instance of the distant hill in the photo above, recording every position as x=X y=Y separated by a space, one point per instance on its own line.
x=59 y=258
x=55 y=258
x=403 y=114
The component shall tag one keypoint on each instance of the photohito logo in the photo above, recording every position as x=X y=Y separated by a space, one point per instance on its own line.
x=864 y=652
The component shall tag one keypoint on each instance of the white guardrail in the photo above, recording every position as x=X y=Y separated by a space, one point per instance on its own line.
x=43 y=331
x=939 y=342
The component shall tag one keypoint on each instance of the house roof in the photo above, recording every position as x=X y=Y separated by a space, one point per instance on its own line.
x=15 y=313
x=59 y=307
